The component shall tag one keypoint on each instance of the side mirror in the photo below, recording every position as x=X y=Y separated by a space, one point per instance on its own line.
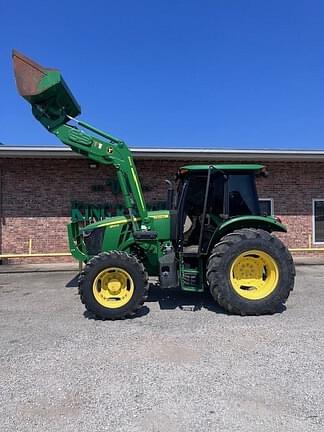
x=170 y=195
x=263 y=173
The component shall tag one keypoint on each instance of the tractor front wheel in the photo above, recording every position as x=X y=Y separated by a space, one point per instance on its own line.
x=113 y=285
x=250 y=272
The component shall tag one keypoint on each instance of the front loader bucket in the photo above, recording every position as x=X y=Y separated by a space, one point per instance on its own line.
x=44 y=88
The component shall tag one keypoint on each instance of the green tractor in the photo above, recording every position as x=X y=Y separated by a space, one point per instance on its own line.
x=210 y=236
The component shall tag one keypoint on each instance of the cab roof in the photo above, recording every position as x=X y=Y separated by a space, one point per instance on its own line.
x=222 y=167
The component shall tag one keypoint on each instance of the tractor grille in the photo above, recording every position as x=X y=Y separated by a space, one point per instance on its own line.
x=93 y=241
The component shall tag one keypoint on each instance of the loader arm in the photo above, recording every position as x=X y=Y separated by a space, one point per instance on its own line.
x=54 y=106
x=108 y=151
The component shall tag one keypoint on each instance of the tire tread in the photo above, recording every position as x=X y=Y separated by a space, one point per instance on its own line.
x=217 y=280
x=98 y=261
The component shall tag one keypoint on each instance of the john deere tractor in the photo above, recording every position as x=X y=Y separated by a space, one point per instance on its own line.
x=210 y=236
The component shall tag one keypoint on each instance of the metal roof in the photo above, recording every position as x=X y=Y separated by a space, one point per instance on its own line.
x=171 y=153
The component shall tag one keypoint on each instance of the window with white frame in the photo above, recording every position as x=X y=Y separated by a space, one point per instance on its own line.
x=318 y=220
x=266 y=206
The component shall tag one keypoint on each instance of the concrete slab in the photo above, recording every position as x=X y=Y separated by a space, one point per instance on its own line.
x=309 y=260
x=28 y=268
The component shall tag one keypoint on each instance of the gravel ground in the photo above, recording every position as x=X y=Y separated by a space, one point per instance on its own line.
x=166 y=370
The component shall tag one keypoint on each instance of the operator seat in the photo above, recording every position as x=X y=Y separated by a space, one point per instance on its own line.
x=188 y=227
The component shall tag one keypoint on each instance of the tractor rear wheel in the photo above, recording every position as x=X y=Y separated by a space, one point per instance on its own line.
x=113 y=285
x=250 y=272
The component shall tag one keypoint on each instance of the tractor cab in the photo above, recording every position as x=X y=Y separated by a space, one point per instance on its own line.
x=208 y=196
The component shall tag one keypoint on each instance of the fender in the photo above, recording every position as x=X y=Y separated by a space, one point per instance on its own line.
x=267 y=223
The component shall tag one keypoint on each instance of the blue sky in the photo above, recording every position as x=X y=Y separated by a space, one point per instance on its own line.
x=169 y=73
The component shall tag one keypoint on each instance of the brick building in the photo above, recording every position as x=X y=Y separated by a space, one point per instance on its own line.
x=42 y=187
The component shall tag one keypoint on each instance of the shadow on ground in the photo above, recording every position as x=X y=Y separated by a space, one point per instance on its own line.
x=175 y=298
x=73 y=283
x=169 y=299
x=140 y=313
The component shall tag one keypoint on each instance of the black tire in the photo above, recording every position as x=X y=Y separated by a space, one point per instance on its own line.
x=220 y=264
x=114 y=259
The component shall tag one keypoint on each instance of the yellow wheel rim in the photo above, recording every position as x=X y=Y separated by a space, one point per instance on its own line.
x=113 y=288
x=254 y=275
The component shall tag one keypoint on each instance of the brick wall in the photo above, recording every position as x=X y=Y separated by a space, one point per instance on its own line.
x=37 y=196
